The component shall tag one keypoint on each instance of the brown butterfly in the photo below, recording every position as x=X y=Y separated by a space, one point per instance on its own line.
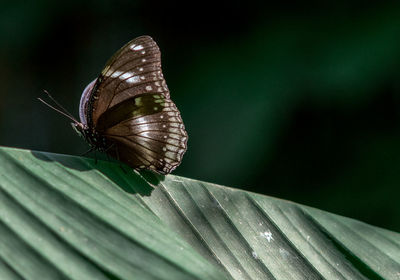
x=127 y=111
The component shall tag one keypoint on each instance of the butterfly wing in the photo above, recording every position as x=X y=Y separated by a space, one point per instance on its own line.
x=147 y=132
x=130 y=106
x=135 y=69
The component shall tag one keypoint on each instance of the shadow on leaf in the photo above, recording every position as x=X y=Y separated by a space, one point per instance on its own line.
x=129 y=180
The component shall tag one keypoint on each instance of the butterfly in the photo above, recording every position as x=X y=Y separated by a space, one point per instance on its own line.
x=127 y=111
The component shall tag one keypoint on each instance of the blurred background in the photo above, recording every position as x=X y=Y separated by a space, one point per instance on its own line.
x=294 y=100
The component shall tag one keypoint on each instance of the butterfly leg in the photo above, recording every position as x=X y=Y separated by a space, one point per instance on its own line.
x=87 y=152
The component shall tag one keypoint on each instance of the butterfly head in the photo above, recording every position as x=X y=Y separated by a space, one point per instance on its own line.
x=79 y=128
x=95 y=140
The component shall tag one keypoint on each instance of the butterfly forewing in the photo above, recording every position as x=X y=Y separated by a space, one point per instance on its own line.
x=135 y=69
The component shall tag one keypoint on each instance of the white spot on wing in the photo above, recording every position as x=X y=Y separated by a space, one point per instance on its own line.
x=115 y=74
x=174 y=136
x=148 y=88
x=170 y=154
x=172 y=141
x=134 y=79
x=172 y=148
x=137 y=48
x=126 y=75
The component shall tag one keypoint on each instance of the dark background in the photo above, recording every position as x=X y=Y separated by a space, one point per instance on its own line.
x=294 y=100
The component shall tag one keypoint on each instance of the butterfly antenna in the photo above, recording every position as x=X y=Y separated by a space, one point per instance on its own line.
x=58 y=104
x=62 y=111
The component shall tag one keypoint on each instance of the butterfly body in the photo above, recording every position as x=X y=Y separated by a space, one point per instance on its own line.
x=127 y=111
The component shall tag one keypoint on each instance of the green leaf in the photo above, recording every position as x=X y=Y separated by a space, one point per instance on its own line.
x=64 y=217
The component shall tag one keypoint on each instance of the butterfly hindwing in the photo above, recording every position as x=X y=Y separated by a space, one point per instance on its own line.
x=147 y=131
